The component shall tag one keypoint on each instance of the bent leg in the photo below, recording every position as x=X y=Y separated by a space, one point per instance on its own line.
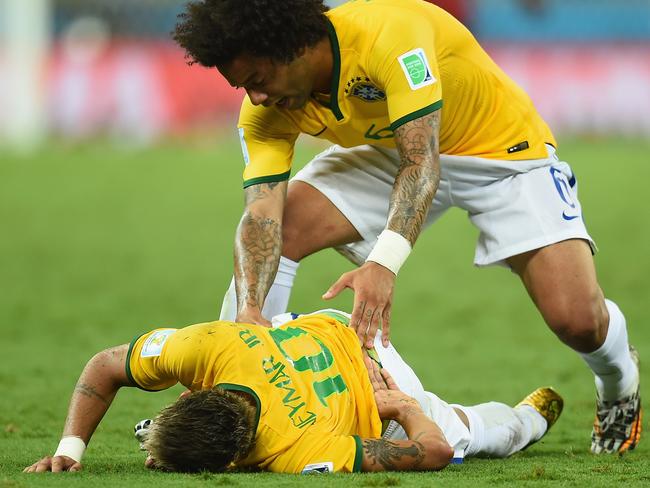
x=498 y=430
x=561 y=280
x=312 y=223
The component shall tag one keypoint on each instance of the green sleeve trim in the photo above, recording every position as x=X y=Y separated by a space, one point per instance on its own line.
x=245 y=389
x=336 y=71
x=416 y=115
x=129 y=375
x=358 y=456
x=267 y=179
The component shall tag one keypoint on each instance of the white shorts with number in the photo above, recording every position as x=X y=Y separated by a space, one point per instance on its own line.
x=517 y=206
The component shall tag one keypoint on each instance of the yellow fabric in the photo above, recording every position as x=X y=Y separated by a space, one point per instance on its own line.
x=308 y=376
x=484 y=113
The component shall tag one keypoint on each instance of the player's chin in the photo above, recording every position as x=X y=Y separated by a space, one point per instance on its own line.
x=295 y=103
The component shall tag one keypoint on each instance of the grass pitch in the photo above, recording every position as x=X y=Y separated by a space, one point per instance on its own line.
x=99 y=244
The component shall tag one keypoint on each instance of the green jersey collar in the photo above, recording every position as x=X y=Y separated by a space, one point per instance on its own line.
x=336 y=72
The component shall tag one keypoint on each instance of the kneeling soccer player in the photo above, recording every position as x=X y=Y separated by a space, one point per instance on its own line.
x=302 y=397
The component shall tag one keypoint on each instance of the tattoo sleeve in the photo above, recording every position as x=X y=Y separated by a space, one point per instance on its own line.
x=258 y=245
x=418 y=176
x=392 y=456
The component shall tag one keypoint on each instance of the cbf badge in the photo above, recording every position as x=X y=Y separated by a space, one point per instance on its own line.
x=416 y=68
x=361 y=87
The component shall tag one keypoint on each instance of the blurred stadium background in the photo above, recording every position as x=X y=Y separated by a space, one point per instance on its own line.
x=120 y=189
x=79 y=68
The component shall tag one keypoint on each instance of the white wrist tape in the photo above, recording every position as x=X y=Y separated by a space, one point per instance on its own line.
x=391 y=250
x=71 y=446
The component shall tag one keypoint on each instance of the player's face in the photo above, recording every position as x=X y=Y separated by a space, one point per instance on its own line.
x=271 y=83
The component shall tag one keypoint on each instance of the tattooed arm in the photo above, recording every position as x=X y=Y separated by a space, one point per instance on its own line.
x=426 y=447
x=258 y=246
x=93 y=394
x=415 y=185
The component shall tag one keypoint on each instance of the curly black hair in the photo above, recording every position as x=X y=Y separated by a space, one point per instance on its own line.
x=215 y=32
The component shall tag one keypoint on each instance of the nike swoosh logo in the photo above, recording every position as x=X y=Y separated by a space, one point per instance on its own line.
x=569 y=217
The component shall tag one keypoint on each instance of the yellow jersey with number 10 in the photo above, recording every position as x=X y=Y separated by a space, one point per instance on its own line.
x=394 y=61
x=307 y=377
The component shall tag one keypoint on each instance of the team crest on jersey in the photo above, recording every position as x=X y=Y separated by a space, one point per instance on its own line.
x=361 y=87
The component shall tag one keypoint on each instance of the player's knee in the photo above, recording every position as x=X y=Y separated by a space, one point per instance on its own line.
x=292 y=245
x=581 y=325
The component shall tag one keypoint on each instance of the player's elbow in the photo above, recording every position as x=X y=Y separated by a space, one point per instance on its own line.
x=438 y=455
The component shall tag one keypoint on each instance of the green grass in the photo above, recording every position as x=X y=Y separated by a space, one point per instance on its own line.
x=99 y=244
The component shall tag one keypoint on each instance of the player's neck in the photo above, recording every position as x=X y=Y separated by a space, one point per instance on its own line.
x=322 y=62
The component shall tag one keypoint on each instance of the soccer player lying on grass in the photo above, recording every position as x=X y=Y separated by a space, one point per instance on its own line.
x=301 y=397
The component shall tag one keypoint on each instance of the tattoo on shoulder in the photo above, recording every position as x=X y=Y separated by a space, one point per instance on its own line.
x=89 y=391
x=392 y=456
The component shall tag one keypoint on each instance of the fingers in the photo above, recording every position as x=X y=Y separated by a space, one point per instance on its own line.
x=390 y=382
x=356 y=319
x=32 y=468
x=376 y=380
x=373 y=320
x=41 y=466
x=55 y=464
x=385 y=326
x=340 y=285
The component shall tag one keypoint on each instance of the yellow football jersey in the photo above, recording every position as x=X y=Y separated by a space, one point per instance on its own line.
x=394 y=61
x=308 y=378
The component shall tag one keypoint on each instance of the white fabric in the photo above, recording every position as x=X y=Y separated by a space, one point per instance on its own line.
x=517 y=206
x=616 y=375
x=499 y=430
x=277 y=299
x=454 y=430
x=72 y=447
x=391 y=250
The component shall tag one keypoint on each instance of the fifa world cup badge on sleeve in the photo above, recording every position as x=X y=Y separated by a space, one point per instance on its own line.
x=154 y=344
x=244 y=147
x=416 y=68
x=318 y=468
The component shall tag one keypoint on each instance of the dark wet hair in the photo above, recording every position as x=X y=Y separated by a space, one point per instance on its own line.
x=215 y=32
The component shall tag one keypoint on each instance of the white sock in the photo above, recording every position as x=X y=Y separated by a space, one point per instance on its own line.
x=276 y=301
x=498 y=430
x=616 y=373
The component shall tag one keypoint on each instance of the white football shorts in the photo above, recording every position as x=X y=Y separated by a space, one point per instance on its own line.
x=517 y=206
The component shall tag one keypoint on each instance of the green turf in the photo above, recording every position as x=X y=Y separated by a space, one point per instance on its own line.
x=98 y=244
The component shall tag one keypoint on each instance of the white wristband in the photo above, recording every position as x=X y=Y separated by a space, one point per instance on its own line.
x=72 y=447
x=391 y=250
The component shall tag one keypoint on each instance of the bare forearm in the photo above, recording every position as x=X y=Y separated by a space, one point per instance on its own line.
x=257 y=253
x=258 y=245
x=423 y=431
x=94 y=392
x=418 y=177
